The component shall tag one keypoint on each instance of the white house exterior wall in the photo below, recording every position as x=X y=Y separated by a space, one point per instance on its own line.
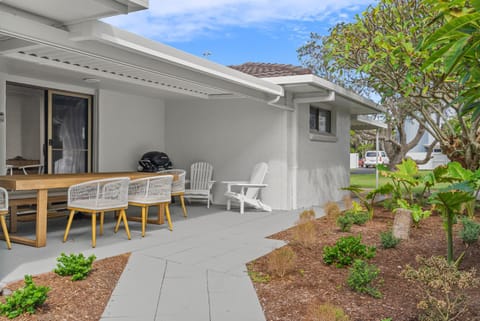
x=129 y=126
x=233 y=135
x=323 y=167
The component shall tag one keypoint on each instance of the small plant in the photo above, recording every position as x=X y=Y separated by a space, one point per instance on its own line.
x=281 y=261
x=326 y=312
x=331 y=209
x=388 y=240
x=305 y=234
x=347 y=201
x=443 y=287
x=24 y=300
x=346 y=250
x=345 y=223
x=361 y=278
x=418 y=213
x=386 y=319
x=470 y=231
x=78 y=266
x=306 y=216
x=257 y=277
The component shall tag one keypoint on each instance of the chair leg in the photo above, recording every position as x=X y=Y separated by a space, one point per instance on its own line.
x=124 y=218
x=144 y=220
x=69 y=224
x=102 y=218
x=182 y=200
x=119 y=218
x=167 y=214
x=241 y=206
x=5 y=231
x=94 y=229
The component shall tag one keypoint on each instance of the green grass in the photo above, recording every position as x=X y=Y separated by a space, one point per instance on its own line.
x=368 y=180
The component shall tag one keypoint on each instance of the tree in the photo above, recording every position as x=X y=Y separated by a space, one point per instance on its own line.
x=383 y=45
x=457 y=45
x=314 y=55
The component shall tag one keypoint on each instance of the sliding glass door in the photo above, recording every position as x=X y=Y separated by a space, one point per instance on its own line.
x=69 y=132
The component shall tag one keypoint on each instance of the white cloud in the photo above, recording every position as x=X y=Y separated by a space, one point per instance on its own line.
x=170 y=20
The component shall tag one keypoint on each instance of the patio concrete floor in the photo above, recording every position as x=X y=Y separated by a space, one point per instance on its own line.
x=195 y=272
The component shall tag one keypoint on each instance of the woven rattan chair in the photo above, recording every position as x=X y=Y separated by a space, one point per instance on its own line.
x=3 y=213
x=151 y=191
x=178 y=186
x=99 y=196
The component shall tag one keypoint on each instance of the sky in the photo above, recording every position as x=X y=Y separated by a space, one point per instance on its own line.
x=232 y=32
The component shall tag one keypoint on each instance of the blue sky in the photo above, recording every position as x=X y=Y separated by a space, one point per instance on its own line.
x=231 y=32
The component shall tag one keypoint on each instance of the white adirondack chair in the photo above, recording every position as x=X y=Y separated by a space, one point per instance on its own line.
x=248 y=191
x=200 y=182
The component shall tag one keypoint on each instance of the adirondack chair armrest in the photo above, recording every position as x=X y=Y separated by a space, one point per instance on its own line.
x=210 y=184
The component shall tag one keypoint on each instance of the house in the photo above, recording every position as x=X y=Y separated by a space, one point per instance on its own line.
x=79 y=95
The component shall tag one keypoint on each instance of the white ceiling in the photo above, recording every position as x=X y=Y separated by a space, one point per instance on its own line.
x=72 y=11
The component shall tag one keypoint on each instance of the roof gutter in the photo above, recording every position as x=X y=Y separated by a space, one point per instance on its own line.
x=274 y=102
x=318 y=99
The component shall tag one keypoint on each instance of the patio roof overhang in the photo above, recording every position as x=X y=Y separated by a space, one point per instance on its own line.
x=361 y=122
x=95 y=49
x=311 y=89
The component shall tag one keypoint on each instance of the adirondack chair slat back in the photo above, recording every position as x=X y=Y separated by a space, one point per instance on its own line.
x=258 y=175
x=200 y=174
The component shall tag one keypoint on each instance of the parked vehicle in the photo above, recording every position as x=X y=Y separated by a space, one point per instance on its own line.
x=371 y=161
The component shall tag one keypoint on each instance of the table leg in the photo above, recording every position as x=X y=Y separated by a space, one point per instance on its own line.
x=41 y=219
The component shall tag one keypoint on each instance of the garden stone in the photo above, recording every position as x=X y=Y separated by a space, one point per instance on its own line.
x=402 y=224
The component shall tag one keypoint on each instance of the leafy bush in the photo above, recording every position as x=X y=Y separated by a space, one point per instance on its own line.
x=388 y=240
x=443 y=287
x=416 y=210
x=281 y=261
x=361 y=277
x=326 y=312
x=345 y=223
x=25 y=299
x=78 y=266
x=470 y=231
x=346 y=250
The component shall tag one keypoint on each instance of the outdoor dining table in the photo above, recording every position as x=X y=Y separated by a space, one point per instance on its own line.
x=42 y=183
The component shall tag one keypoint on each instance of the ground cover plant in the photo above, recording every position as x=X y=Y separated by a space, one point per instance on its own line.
x=75 y=265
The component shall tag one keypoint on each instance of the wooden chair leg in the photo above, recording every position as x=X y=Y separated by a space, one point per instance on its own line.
x=119 y=218
x=13 y=218
x=144 y=220
x=182 y=201
x=102 y=218
x=94 y=229
x=69 y=224
x=124 y=217
x=5 y=231
x=167 y=214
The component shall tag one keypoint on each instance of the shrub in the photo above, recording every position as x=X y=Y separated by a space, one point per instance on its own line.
x=78 y=266
x=443 y=287
x=306 y=216
x=345 y=223
x=25 y=299
x=325 y=312
x=470 y=231
x=347 y=201
x=360 y=218
x=361 y=278
x=281 y=261
x=331 y=209
x=346 y=250
x=388 y=240
x=305 y=234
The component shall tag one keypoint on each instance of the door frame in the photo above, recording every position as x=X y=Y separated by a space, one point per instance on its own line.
x=49 y=154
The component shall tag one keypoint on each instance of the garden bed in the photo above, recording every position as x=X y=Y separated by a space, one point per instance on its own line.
x=312 y=282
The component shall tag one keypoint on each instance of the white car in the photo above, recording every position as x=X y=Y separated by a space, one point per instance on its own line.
x=370 y=160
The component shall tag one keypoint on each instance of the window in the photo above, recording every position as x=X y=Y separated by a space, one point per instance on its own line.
x=320 y=120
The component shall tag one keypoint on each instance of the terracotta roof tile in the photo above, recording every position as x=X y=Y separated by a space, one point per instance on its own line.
x=264 y=70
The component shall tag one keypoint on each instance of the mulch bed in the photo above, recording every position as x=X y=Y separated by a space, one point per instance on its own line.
x=76 y=300
x=313 y=282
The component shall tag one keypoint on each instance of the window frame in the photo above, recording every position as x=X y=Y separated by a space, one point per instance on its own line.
x=315 y=134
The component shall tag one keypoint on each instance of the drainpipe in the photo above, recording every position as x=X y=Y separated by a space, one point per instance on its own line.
x=376 y=158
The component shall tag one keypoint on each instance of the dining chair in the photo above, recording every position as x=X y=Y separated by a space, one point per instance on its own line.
x=178 y=186
x=150 y=191
x=97 y=197
x=3 y=213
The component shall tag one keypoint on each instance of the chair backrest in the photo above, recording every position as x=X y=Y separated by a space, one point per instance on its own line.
x=3 y=199
x=111 y=192
x=258 y=175
x=151 y=189
x=178 y=185
x=200 y=174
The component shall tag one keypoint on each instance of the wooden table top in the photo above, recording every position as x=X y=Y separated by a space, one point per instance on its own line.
x=47 y=181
